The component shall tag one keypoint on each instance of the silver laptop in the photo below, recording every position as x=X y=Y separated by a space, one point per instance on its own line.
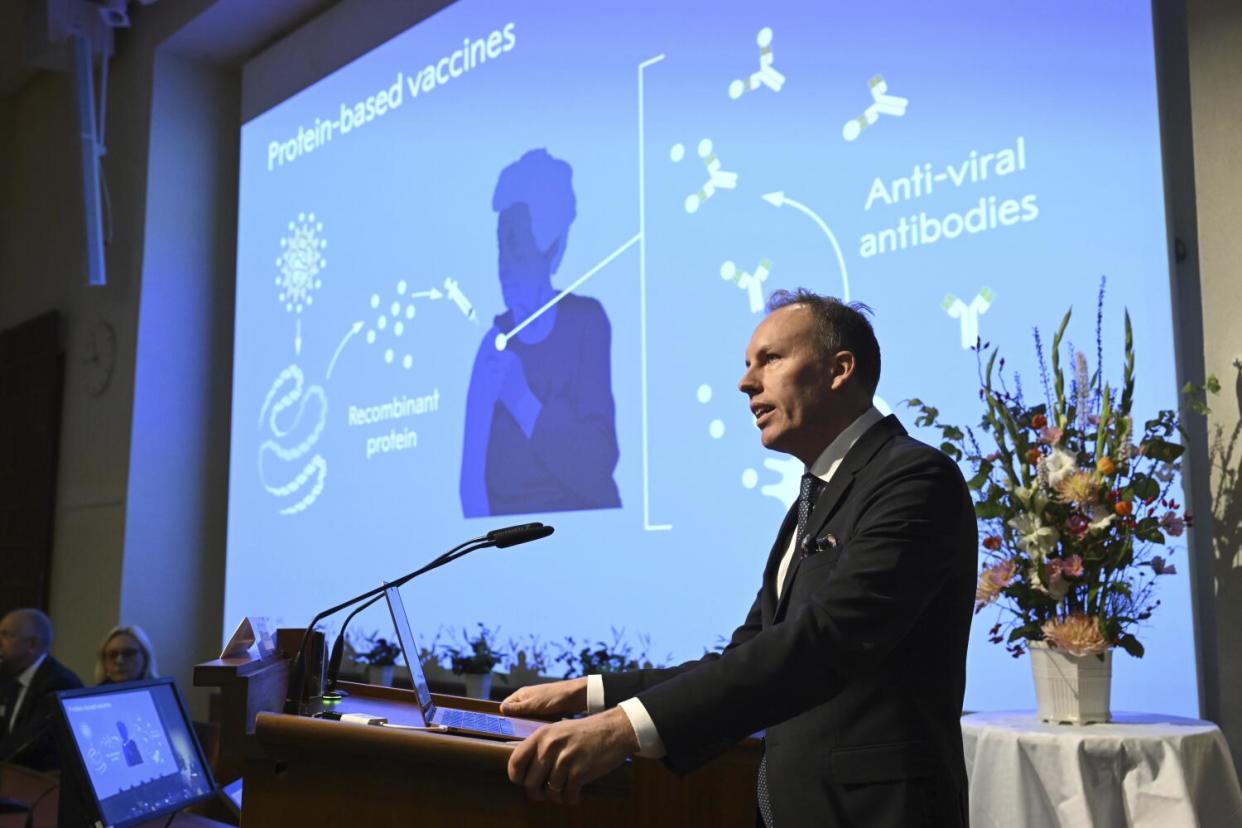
x=468 y=722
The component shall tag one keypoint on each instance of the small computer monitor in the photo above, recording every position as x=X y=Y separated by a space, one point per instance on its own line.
x=131 y=751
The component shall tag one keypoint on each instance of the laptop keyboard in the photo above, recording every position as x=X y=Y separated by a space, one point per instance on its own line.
x=470 y=720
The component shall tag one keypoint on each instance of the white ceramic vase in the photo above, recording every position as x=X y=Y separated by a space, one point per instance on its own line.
x=1071 y=689
x=478 y=685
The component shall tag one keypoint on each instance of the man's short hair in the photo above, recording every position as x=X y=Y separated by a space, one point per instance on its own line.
x=839 y=326
x=35 y=624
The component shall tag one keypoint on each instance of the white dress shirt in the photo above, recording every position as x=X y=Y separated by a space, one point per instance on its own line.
x=649 y=743
x=23 y=678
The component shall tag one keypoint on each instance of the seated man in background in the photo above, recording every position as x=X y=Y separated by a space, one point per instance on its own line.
x=28 y=678
x=125 y=654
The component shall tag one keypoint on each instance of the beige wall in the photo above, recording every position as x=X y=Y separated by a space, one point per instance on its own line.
x=1215 y=36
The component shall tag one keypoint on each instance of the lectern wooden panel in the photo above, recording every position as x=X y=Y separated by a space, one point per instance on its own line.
x=303 y=771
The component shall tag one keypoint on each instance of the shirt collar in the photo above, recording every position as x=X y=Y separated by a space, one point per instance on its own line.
x=826 y=464
x=26 y=676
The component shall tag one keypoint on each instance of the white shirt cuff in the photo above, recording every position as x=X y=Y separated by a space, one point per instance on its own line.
x=595 y=694
x=650 y=745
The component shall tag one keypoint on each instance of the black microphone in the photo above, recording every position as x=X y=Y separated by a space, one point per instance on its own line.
x=513 y=535
x=507 y=536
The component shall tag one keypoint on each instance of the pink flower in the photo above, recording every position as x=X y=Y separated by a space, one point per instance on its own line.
x=1077 y=525
x=992 y=581
x=1173 y=524
x=1159 y=567
x=1051 y=435
x=1071 y=567
x=993 y=457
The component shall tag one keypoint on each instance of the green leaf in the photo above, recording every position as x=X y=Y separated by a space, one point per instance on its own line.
x=988 y=509
x=981 y=477
x=1131 y=645
x=1162 y=450
x=951 y=450
x=1144 y=487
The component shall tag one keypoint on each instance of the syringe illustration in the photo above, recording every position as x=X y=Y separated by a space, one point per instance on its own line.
x=460 y=300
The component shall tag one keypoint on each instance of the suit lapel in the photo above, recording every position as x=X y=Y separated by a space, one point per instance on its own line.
x=774 y=563
x=842 y=480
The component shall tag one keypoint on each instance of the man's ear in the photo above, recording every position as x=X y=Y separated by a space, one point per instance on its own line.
x=841 y=369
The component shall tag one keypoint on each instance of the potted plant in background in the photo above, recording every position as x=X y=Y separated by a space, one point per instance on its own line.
x=601 y=657
x=528 y=662
x=475 y=659
x=380 y=656
x=1076 y=507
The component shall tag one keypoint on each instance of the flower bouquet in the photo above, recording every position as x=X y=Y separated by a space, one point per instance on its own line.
x=1074 y=501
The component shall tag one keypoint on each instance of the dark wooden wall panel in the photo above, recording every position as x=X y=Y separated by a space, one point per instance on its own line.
x=31 y=379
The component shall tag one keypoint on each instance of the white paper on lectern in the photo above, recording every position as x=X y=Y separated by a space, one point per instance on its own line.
x=253 y=631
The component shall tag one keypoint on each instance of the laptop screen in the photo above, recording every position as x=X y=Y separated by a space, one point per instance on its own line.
x=410 y=648
x=137 y=749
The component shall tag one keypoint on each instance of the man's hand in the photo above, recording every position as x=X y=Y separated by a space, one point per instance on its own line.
x=558 y=698
x=558 y=759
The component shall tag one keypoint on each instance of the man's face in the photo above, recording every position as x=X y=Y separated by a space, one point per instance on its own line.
x=18 y=649
x=524 y=270
x=789 y=384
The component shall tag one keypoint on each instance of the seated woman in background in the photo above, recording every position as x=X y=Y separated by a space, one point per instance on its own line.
x=125 y=655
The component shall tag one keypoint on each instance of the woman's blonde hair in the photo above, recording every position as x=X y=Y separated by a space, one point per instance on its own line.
x=135 y=632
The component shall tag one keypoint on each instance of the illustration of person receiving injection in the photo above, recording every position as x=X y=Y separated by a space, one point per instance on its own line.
x=540 y=431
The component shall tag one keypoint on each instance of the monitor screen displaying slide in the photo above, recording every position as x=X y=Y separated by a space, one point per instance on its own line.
x=504 y=267
x=137 y=748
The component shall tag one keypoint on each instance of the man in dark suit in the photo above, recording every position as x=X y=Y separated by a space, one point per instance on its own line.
x=853 y=655
x=28 y=678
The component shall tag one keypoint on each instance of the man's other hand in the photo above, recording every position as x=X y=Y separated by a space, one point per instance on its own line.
x=558 y=759
x=558 y=698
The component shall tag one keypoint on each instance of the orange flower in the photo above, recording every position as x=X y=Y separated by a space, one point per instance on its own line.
x=1105 y=466
x=992 y=543
x=1123 y=508
x=1077 y=634
x=1032 y=456
x=1039 y=421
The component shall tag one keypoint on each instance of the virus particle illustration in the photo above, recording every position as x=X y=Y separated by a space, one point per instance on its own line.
x=300 y=262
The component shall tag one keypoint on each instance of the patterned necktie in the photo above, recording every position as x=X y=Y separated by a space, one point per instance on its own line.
x=9 y=688
x=808 y=493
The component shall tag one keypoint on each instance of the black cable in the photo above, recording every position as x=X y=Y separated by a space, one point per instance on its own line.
x=171 y=817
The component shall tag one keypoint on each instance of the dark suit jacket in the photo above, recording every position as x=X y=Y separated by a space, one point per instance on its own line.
x=858 y=672
x=31 y=739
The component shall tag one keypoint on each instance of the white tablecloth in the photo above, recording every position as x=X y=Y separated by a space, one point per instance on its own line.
x=1139 y=769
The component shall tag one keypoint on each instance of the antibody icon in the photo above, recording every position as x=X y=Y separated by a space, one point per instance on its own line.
x=767 y=74
x=968 y=314
x=717 y=178
x=752 y=283
x=882 y=104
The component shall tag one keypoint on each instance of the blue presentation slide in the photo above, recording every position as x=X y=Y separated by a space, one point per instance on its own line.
x=122 y=741
x=503 y=268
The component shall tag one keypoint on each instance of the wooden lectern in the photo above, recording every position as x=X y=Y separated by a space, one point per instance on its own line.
x=304 y=771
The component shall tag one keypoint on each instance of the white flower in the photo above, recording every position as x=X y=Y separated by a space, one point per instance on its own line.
x=1056 y=466
x=1034 y=538
x=1101 y=517
x=1033 y=499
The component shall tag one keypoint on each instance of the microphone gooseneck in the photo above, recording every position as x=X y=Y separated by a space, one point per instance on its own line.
x=295 y=697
